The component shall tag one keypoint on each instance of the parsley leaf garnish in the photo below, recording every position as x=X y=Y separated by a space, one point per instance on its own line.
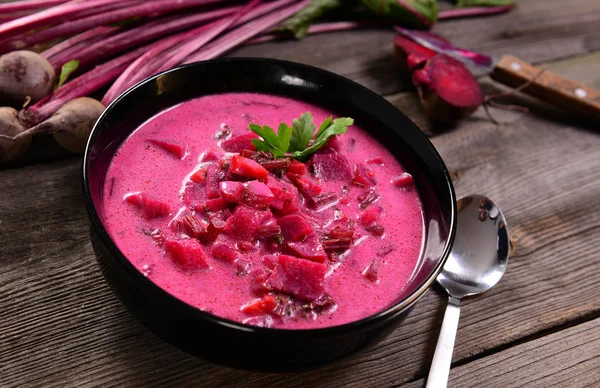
x=295 y=141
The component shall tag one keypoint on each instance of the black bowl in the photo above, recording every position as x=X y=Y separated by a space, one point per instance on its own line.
x=231 y=343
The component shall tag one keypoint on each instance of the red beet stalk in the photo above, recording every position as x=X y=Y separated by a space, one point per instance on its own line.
x=111 y=16
x=18 y=6
x=148 y=63
x=87 y=36
x=245 y=32
x=95 y=52
x=61 y=13
x=473 y=11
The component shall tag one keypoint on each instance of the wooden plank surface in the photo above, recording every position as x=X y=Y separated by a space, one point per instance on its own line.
x=569 y=358
x=61 y=325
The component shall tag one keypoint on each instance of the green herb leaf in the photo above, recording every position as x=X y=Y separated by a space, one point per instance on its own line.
x=302 y=131
x=326 y=132
x=66 y=71
x=293 y=141
x=298 y=24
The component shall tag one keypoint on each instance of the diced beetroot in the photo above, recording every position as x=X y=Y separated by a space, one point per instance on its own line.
x=270 y=261
x=199 y=176
x=210 y=156
x=266 y=231
x=244 y=222
x=332 y=146
x=259 y=283
x=216 y=224
x=371 y=271
x=310 y=249
x=339 y=239
x=238 y=143
x=286 y=199
x=331 y=167
x=305 y=186
x=371 y=215
x=213 y=177
x=322 y=200
x=297 y=167
x=215 y=205
x=247 y=246
x=150 y=207
x=341 y=232
x=193 y=227
x=249 y=154
x=188 y=253
x=403 y=180
x=247 y=168
x=257 y=195
x=274 y=164
x=174 y=148
x=260 y=306
x=231 y=191
x=298 y=277
x=375 y=160
x=375 y=229
x=225 y=253
x=294 y=227
x=367 y=198
x=363 y=176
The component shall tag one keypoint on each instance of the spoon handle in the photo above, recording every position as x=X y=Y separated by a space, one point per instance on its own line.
x=442 y=358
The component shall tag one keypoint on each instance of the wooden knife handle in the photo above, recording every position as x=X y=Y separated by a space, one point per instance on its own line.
x=554 y=89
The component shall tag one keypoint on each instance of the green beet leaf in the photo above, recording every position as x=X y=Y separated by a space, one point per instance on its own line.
x=419 y=14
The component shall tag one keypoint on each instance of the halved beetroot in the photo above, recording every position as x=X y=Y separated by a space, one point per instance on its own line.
x=187 y=253
x=294 y=227
x=238 y=143
x=363 y=176
x=247 y=168
x=310 y=248
x=225 y=253
x=257 y=195
x=260 y=306
x=150 y=207
x=174 y=148
x=244 y=222
x=371 y=215
x=296 y=167
x=402 y=181
x=331 y=167
x=410 y=54
x=231 y=191
x=298 y=277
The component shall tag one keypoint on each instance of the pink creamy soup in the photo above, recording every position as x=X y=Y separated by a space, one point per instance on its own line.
x=263 y=242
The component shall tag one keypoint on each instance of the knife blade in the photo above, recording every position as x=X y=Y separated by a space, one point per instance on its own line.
x=559 y=91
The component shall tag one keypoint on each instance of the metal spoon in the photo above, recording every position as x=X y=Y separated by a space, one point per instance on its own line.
x=476 y=263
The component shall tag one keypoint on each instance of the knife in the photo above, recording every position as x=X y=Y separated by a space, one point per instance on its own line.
x=556 y=90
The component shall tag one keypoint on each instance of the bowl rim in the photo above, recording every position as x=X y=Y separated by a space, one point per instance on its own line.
x=358 y=325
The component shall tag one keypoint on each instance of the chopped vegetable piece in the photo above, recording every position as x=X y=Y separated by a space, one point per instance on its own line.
x=367 y=198
x=371 y=272
x=371 y=215
x=215 y=205
x=231 y=191
x=257 y=195
x=214 y=176
x=199 y=176
x=298 y=277
x=187 y=253
x=331 y=167
x=403 y=180
x=216 y=224
x=225 y=253
x=310 y=248
x=244 y=222
x=151 y=208
x=239 y=143
x=321 y=200
x=376 y=160
x=296 y=167
x=270 y=230
x=305 y=186
x=363 y=176
x=260 y=306
x=193 y=228
x=375 y=229
x=294 y=227
x=247 y=168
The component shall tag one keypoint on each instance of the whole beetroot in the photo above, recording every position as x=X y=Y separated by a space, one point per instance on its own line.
x=24 y=74
x=10 y=126
x=447 y=89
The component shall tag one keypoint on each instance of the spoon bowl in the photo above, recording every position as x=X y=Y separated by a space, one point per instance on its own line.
x=476 y=263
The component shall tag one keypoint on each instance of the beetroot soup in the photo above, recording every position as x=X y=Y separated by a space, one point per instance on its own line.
x=276 y=240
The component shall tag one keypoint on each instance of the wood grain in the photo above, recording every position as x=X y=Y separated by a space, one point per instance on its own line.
x=568 y=358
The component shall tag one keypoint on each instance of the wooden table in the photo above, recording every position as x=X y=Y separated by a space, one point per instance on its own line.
x=60 y=325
